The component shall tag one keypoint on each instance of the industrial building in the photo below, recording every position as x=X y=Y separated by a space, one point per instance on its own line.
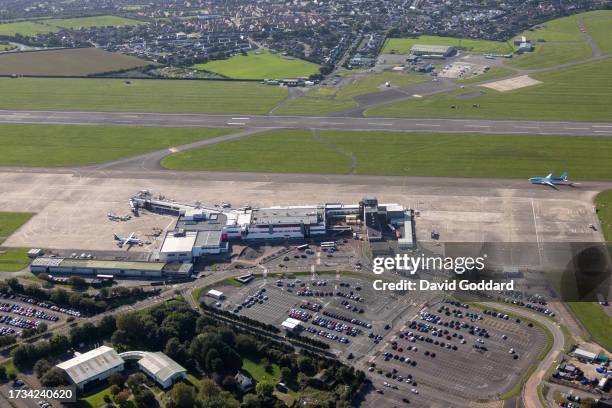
x=158 y=366
x=432 y=51
x=98 y=364
x=127 y=269
x=202 y=230
x=95 y=365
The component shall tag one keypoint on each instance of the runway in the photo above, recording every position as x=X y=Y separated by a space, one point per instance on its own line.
x=307 y=122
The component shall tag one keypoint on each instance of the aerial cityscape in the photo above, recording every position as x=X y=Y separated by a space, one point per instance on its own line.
x=318 y=203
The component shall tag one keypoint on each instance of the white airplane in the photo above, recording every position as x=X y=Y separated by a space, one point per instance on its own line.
x=121 y=241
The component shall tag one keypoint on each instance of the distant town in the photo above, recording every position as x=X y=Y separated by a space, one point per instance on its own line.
x=328 y=33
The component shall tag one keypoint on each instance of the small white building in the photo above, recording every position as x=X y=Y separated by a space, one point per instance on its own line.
x=215 y=294
x=291 y=325
x=96 y=364
x=584 y=355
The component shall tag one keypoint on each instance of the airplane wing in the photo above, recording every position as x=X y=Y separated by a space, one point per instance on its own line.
x=548 y=183
x=549 y=176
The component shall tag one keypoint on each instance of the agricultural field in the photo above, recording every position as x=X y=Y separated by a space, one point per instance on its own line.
x=403 y=45
x=43 y=26
x=67 y=62
x=72 y=145
x=390 y=153
x=493 y=73
x=12 y=259
x=579 y=93
x=321 y=101
x=139 y=95
x=560 y=41
x=260 y=64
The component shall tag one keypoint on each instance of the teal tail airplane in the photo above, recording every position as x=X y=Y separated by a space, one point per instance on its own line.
x=552 y=181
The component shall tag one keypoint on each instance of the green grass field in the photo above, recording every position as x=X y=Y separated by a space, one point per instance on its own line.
x=278 y=152
x=560 y=41
x=603 y=203
x=6 y=47
x=139 y=95
x=258 y=372
x=11 y=222
x=260 y=64
x=599 y=27
x=597 y=322
x=403 y=45
x=321 y=101
x=12 y=259
x=34 y=27
x=493 y=73
x=579 y=93
x=404 y=154
x=73 y=145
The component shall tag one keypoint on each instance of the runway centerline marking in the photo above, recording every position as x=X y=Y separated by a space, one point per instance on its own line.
x=240 y=118
x=236 y=123
x=426 y=124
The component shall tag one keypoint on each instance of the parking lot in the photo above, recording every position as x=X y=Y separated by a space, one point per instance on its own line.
x=345 y=312
x=18 y=313
x=453 y=347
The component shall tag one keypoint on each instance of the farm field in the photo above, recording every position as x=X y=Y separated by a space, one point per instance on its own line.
x=67 y=62
x=579 y=93
x=560 y=41
x=12 y=259
x=321 y=101
x=72 y=145
x=42 y=26
x=260 y=64
x=390 y=153
x=403 y=45
x=138 y=95
x=493 y=73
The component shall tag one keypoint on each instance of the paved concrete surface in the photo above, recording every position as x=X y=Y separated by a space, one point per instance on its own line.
x=303 y=122
x=72 y=206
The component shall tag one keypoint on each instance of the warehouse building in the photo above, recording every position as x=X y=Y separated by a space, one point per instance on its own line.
x=95 y=365
x=126 y=269
x=158 y=366
x=432 y=51
x=98 y=364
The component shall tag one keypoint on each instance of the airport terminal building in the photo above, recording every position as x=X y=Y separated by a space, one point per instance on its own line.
x=202 y=231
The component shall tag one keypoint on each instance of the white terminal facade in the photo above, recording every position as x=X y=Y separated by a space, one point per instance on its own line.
x=202 y=230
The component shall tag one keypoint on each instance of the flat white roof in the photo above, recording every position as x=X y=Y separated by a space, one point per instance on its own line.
x=88 y=365
x=179 y=244
x=161 y=366
x=215 y=292
x=291 y=323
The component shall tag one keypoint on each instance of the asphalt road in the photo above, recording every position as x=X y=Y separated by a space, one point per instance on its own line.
x=305 y=122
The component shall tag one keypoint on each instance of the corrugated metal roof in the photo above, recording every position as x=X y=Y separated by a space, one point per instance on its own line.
x=161 y=366
x=88 y=365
